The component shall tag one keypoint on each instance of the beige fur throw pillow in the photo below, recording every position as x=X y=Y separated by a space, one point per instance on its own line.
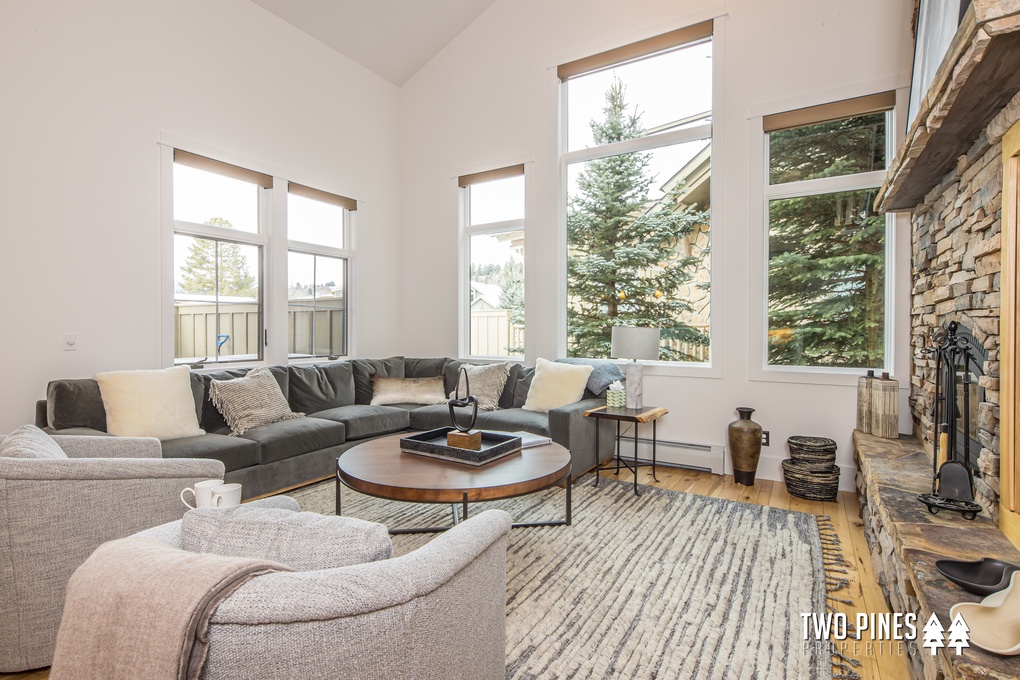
x=487 y=383
x=407 y=390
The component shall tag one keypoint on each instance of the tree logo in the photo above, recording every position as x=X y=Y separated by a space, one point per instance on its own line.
x=934 y=635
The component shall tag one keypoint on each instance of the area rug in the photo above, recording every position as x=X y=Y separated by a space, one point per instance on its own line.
x=665 y=585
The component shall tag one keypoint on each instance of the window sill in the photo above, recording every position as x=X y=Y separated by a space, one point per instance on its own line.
x=810 y=376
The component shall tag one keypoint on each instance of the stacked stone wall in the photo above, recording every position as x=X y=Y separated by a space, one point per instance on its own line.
x=956 y=273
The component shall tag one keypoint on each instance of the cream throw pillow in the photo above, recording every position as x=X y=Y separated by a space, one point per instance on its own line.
x=556 y=385
x=407 y=390
x=149 y=403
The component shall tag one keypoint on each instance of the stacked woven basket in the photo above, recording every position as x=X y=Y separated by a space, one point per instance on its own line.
x=811 y=472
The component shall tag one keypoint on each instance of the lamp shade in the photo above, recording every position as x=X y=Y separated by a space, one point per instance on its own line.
x=631 y=342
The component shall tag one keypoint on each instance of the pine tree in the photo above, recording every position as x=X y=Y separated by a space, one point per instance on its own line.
x=827 y=252
x=959 y=634
x=626 y=263
x=199 y=271
x=933 y=635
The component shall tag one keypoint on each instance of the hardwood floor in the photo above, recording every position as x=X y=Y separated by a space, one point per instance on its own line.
x=879 y=661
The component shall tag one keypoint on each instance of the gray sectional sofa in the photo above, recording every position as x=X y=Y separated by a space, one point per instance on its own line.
x=335 y=396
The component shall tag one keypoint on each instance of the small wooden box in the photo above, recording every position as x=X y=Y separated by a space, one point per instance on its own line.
x=465 y=440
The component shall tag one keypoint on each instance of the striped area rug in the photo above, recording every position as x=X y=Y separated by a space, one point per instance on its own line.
x=665 y=585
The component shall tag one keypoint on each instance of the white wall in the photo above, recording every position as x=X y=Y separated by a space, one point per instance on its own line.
x=490 y=96
x=86 y=89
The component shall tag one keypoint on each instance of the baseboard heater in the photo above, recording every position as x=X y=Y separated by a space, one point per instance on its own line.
x=709 y=457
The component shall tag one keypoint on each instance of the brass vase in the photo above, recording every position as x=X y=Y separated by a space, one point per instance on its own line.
x=745 y=446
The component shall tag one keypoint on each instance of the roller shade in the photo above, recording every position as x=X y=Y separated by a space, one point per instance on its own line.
x=642 y=48
x=220 y=168
x=824 y=113
x=322 y=196
x=490 y=175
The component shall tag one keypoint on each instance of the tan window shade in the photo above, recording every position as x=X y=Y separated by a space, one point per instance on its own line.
x=220 y=168
x=642 y=48
x=490 y=175
x=322 y=196
x=824 y=113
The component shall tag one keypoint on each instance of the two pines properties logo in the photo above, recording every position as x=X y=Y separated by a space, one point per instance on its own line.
x=888 y=627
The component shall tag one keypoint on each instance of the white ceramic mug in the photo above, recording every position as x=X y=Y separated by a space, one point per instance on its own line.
x=226 y=495
x=202 y=491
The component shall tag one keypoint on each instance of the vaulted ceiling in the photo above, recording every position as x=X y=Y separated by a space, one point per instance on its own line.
x=391 y=38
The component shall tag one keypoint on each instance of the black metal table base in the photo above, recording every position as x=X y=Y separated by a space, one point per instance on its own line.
x=567 y=521
x=620 y=460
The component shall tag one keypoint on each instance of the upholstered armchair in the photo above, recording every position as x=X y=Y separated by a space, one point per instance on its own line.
x=436 y=612
x=55 y=511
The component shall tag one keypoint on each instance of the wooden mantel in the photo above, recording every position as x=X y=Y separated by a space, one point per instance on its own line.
x=978 y=76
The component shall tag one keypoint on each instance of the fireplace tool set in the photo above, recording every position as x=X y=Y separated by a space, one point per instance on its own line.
x=952 y=486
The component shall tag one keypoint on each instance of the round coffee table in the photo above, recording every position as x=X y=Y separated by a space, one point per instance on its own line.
x=379 y=468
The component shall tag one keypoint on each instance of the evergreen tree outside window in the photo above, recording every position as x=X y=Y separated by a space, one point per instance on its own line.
x=826 y=245
x=493 y=225
x=638 y=157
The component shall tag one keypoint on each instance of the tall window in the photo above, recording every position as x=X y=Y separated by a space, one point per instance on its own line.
x=826 y=245
x=638 y=158
x=492 y=214
x=317 y=272
x=219 y=236
x=224 y=247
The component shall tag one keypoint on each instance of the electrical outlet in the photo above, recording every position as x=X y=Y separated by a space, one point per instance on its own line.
x=765 y=438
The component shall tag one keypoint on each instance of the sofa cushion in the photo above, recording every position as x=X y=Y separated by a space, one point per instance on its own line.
x=362 y=420
x=251 y=401
x=234 y=452
x=28 y=441
x=556 y=385
x=75 y=403
x=512 y=420
x=431 y=417
x=364 y=369
x=407 y=390
x=523 y=386
x=149 y=403
x=293 y=437
x=211 y=419
x=425 y=368
x=322 y=386
x=304 y=541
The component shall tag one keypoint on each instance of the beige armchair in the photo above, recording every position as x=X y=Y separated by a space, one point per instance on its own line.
x=55 y=512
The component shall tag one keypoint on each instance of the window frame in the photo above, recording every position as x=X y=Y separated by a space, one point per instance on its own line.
x=467 y=230
x=714 y=132
x=274 y=244
x=762 y=192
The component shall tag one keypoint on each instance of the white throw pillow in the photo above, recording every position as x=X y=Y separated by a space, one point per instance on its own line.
x=149 y=403
x=556 y=385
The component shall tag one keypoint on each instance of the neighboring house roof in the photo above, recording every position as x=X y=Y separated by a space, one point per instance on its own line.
x=485 y=295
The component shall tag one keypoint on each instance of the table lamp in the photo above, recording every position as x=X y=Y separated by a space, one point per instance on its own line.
x=631 y=342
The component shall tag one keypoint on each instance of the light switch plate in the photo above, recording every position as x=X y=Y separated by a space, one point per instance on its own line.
x=70 y=342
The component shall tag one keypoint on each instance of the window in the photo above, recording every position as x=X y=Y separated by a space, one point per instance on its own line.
x=224 y=246
x=638 y=158
x=218 y=253
x=826 y=246
x=492 y=218
x=317 y=272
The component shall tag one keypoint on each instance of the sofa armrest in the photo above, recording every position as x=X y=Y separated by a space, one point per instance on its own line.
x=78 y=446
x=107 y=469
x=170 y=533
x=569 y=427
x=288 y=597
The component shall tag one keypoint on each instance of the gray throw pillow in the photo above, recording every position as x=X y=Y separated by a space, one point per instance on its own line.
x=523 y=385
x=75 y=403
x=304 y=541
x=256 y=399
x=487 y=382
x=28 y=441
x=603 y=374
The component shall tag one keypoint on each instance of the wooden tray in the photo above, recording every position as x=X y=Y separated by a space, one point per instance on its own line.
x=495 y=445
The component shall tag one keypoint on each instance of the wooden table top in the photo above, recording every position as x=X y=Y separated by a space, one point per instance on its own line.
x=645 y=414
x=378 y=467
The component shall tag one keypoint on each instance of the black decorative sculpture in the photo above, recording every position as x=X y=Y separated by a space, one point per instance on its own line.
x=468 y=400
